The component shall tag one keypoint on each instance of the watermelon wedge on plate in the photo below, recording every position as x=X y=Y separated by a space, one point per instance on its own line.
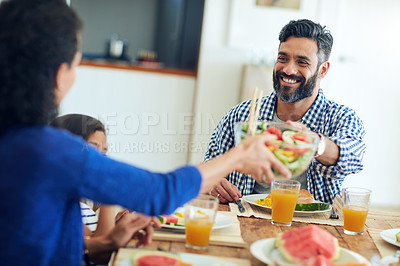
x=305 y=243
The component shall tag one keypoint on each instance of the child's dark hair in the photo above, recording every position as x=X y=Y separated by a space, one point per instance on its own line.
x=81 y=125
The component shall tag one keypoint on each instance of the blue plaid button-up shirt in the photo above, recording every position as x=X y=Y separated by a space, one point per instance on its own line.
x=337 y=122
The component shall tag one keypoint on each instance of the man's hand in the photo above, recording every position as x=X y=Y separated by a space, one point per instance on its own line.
x=226 y=192
x=332 y=150
x=298 y=125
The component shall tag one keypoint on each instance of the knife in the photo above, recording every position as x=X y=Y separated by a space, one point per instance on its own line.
x=241 y=208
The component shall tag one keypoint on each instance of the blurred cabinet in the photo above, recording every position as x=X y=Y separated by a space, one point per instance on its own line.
x=255 y=76
x=178 y=33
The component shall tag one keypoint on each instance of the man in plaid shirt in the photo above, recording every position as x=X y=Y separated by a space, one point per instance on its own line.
x=302 y=62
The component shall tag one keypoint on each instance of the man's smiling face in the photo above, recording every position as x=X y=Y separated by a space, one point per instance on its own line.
x=296 y=70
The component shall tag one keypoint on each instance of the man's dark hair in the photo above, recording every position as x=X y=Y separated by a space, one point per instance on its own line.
x=81 y=125
x=311 y=30
x=36 y=37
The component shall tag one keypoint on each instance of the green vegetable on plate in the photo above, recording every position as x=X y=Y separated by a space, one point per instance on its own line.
x=318 y=206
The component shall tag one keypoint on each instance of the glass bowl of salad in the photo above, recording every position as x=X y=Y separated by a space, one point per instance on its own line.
x=295 y=148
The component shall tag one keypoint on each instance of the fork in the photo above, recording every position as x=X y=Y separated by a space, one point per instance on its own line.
x=334 y=215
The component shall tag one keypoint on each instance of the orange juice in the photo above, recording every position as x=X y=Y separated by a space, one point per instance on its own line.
x=283 y=204
x=354 y=218
x=198 y=231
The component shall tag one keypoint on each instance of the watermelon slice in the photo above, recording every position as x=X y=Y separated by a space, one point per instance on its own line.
x=307 y=243
x=171 y=219
x=154 y=258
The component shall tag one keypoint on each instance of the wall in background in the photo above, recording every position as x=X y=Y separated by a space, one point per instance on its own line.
x=147 y=115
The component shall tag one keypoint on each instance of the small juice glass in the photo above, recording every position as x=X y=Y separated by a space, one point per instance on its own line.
x=284 y=194
x=355 y=209
x=199 y=219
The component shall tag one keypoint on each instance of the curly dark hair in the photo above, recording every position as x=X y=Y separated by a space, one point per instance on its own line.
x=311 y=30
x=81 y=125
x=36 y=37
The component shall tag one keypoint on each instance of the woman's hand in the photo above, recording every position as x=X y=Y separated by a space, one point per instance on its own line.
x=258 y=161
x=250 y=157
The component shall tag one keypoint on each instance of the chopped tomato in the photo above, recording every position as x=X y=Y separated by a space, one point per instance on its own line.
x=272 y=146
x=300 y=137
x=299 y=151
x=275 y=131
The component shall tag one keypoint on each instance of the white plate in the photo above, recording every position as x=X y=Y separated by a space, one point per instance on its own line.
x=221 y=221
x=196 y=260
x=390 y=236
x=385 y=261
x=265 y=251
x=251 y=198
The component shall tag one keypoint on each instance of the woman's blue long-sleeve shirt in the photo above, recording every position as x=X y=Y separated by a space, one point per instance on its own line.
x=45 y=172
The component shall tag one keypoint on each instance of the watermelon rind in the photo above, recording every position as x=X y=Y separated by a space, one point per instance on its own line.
x=140 y=253
x=317 y=206
x=162 y=219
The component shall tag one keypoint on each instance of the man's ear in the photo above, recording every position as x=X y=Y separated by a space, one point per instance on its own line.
x=60 y=90
x=323 y=69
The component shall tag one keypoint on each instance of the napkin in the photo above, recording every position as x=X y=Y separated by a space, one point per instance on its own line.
x=229 y=236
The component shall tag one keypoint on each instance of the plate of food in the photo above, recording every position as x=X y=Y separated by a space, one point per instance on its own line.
x=176 y=221
x=171 y=258
x=306 y=205
x=289 y=250
x=391 y=236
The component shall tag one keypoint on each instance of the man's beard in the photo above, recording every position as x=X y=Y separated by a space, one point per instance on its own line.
x=303 y=91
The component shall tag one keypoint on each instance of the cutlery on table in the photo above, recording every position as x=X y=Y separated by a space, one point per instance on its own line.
x=239 y=204
x=334 y=215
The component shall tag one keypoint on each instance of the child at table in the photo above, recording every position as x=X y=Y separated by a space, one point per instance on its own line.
x=94 y=132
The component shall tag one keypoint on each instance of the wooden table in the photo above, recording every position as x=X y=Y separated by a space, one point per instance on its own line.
x=253 y=229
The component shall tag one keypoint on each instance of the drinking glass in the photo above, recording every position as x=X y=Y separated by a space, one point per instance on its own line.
x=284 y=194
x=199 y=219
x=355 y=203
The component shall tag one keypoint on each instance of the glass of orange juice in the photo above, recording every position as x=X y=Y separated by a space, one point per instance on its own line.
x=284 y=194
x=355 y=203
x=199 y=220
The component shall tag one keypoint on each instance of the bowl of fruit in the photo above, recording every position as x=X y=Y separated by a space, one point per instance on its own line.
x=295 y=148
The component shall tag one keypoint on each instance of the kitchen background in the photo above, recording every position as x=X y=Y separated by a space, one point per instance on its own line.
x=161 y=121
